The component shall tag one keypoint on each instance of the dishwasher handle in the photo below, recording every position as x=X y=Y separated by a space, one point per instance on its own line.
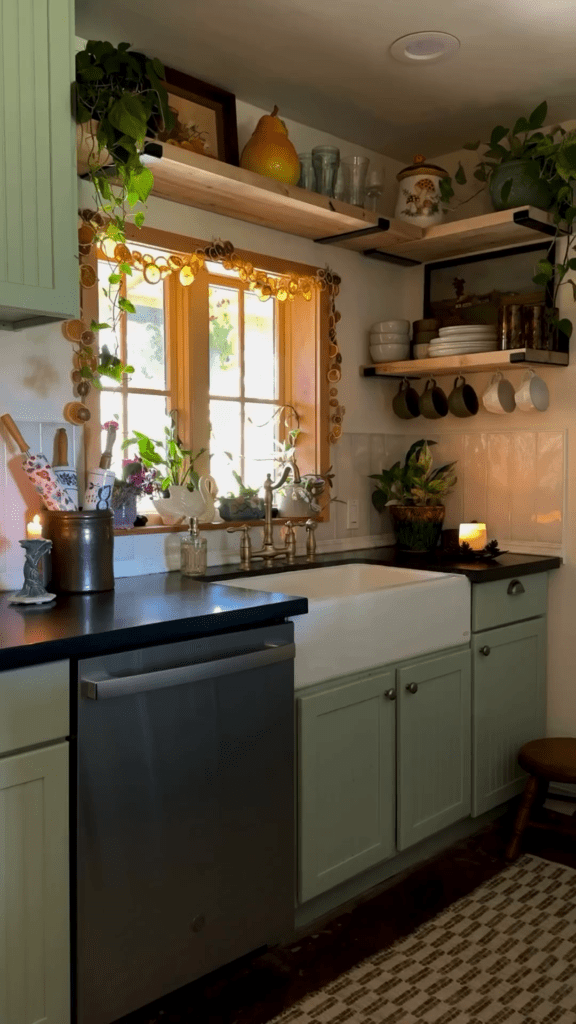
x=100 y=688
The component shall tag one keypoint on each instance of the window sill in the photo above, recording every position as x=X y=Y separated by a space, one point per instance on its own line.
x=154 y=528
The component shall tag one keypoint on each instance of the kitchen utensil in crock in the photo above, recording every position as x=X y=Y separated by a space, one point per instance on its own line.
x=66 y=474
x=39 y=471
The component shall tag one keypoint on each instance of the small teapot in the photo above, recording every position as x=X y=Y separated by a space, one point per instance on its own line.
x=191 y=504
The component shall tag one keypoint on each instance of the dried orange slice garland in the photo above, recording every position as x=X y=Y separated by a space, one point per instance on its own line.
x=92 y=231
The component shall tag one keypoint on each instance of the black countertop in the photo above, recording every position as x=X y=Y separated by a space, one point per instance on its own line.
x=141 y=610
x=167 y=607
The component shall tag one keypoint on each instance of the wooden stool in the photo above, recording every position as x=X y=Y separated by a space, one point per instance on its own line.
x=546 y=761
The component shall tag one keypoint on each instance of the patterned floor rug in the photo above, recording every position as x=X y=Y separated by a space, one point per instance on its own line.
x=505 y=954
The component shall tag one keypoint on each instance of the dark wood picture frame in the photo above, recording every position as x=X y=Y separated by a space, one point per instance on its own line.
x=223 y=103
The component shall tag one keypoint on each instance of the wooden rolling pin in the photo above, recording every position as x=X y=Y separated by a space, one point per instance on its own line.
x=65 y=473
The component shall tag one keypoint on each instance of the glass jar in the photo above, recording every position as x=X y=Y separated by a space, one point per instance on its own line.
x=355 y=170
x=307 y=177
x=193 y=551
x=326 y=160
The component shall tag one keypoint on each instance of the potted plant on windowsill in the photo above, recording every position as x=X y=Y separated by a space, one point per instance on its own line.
x=175 y=472
x=241 y=506
x=413 y=493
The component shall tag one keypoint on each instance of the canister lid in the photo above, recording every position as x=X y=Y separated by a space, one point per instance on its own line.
x=421 y=166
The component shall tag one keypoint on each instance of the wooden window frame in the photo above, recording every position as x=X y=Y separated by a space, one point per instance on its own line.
x=305 y=360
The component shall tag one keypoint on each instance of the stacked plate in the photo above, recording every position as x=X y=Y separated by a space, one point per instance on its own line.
x=464 y=340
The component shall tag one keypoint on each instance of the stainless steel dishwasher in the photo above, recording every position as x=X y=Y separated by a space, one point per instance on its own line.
x=185 y=844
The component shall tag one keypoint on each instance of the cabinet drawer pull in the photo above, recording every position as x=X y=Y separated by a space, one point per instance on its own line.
x=412 y=687
x=485 y=651
x=390 y=694
x=515 y=587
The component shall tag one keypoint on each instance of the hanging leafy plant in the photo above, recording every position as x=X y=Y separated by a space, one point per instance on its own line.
x=120 y=98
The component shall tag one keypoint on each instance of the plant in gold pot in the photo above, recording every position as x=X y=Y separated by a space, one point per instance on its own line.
x=413 y=492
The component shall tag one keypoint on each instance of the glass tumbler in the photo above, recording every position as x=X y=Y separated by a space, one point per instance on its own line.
x=374 y=188
x=307 y=174
x=356 y=168
x=326 y=160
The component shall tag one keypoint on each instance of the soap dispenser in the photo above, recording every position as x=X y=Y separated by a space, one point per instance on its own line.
x=193 y=551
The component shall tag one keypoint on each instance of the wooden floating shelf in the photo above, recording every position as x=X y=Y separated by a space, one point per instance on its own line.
x=208 y=184
x=497 y=230
x=199 y=181
x=481 y=362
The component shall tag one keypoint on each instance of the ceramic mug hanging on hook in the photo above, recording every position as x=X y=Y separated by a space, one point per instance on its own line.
x=406 y=401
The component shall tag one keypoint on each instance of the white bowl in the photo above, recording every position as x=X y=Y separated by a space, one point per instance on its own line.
x=394 y=326
x=389 y=353
x=388 y=338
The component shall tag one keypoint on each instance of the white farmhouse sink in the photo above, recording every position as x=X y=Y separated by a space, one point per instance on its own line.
x=362 y=616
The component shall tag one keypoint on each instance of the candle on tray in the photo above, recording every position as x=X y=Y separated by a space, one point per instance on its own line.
x=473 y=534
x=34 y=529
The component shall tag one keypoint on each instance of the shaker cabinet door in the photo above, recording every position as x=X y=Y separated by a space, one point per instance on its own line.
x=38 y=197
x=346 y=786
x=433 y=746
x=508 y=707
x=34 y=888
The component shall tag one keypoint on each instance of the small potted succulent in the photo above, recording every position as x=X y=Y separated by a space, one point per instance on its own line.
x=244 y=505
x=413 y=493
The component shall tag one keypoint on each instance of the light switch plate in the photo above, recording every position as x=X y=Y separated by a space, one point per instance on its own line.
x=352 y=514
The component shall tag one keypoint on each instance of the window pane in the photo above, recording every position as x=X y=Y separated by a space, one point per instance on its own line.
x=259 y=443
x=110 y=409
x=225 y=437
x=260 y=357
x=145 y=333
x=224 y=342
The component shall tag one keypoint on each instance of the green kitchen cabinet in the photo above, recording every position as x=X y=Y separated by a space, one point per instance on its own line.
x=347 y=780
x=38 y=197
x=508 y=707
x=434 y=743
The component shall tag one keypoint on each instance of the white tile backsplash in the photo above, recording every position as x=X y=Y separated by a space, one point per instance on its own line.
x=511 y=480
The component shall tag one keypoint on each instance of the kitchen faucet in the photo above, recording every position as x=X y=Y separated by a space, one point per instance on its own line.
x=269 y=552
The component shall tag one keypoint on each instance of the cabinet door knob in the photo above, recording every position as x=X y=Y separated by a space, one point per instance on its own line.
x=515 y=587
x=412 y=687
x=485 y=650
x=390 y=694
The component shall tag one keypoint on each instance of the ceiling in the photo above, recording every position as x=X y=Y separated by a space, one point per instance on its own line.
x=326 y=62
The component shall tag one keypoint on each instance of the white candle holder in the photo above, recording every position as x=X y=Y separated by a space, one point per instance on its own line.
x=33 y=591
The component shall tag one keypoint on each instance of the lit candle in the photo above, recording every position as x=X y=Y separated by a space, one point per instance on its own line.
x=474 y=534
x=34 y=529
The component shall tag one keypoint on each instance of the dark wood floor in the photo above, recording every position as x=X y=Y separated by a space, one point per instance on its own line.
x=254 y=990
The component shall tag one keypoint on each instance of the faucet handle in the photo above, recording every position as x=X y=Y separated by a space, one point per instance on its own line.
x=245 y=543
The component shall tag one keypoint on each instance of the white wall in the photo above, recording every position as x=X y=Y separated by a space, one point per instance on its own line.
x=35 y=378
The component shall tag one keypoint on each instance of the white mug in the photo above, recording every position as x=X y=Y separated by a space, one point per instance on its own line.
x=533 y=393
x=99 y=487
x=499 y=396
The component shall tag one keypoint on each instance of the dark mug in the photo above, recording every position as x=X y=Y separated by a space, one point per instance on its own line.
x=433 y=401
x=463 y=400
x=406 y=402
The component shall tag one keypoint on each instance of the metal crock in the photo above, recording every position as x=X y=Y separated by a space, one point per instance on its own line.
x=82 y=557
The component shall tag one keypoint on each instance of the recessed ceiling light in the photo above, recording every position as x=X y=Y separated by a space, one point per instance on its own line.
x=424 y=47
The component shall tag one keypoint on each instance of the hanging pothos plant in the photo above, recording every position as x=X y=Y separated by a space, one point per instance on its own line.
x=120 y=100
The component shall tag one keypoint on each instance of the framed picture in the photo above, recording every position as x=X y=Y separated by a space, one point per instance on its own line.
x=204 y=116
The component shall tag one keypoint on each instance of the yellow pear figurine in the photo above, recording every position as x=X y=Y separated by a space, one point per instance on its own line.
x=270 y=152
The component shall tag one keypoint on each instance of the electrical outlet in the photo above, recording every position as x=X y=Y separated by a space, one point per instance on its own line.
x=352 y=514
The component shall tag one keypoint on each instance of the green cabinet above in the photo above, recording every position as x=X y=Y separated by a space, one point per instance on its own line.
x=38 y=197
